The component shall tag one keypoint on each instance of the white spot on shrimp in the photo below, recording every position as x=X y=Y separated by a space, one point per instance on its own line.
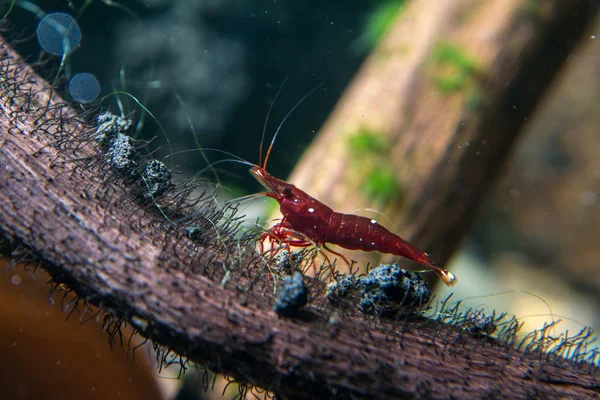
x=373 y=221
x=311 y=210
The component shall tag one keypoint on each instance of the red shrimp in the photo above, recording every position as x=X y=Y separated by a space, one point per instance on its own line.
x=314 y=220
x=307 y=221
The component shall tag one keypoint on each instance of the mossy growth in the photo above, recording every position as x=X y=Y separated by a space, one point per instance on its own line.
x=450 y=54
x=380 y=20
x=454 y=68
x=381 y=185
x=370 y=160
x=367 y=141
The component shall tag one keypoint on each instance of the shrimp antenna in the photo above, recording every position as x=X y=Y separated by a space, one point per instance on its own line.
x=285 y=118
x=232 y=160
x=262 y=138
x=209 y=149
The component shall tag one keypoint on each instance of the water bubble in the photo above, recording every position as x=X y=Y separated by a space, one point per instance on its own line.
x=16 y=279
x=58 y=33
x=84 y=87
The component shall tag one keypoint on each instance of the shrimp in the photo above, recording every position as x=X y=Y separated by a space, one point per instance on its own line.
x=307 y=221
x=317 y=222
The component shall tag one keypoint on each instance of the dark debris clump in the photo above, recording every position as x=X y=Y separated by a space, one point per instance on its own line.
x=121 y=153
x=385 y=291
x=109 y=125
x=287 y=262
x=152 y=176
x=388 y=288
x=157 y=178
x=343 y=287
x=478 y=323
x=291 y=295
x=193 y=231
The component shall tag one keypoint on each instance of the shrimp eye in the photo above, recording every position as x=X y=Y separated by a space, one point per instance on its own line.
x=287 y=192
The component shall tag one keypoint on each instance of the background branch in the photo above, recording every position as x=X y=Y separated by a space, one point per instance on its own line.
x=445 y=95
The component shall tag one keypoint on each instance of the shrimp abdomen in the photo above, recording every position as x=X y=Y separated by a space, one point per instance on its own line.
x=354 y=232
x=359 y=233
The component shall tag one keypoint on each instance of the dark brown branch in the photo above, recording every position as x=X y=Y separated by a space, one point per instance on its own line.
x=116 y=254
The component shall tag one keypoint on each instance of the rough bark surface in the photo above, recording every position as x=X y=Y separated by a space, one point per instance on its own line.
x=93 y=236
x=448 y=91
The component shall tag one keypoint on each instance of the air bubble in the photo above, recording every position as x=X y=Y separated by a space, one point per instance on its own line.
x=84 y=87
x=16 y=279
x=58 y=33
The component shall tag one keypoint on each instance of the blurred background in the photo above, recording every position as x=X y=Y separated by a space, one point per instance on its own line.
x=216 y=65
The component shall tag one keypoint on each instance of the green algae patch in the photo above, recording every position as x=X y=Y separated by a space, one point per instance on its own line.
x=381 y=185
x=379 y=21
x=369 y=155
x=453 y=69
x=367 y=141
